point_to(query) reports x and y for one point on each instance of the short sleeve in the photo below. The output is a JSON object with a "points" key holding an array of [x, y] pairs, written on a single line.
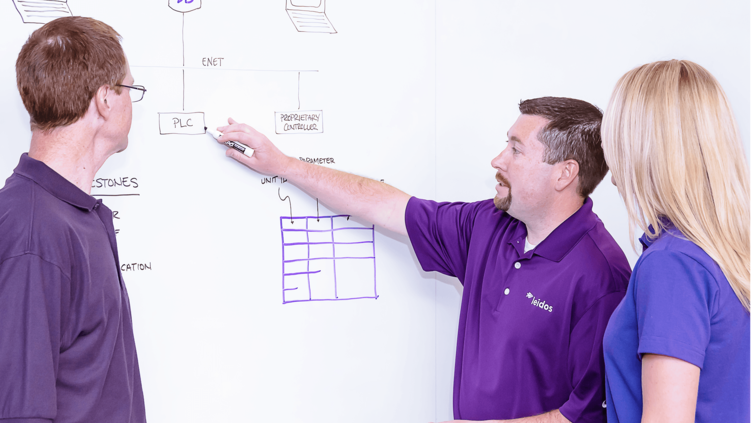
{"points": [[585, 362], [673, 297], [30, 334], [440, 234]]}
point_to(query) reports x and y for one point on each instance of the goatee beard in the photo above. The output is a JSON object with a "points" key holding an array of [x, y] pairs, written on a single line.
{"points": [[503, 203]]}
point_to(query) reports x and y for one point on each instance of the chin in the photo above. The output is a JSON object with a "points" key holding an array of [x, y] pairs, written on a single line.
{"points": [[123, 147], [503, 204]]}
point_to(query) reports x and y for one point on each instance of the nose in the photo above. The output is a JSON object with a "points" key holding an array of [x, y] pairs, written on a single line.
{"points": [[500, 162]]}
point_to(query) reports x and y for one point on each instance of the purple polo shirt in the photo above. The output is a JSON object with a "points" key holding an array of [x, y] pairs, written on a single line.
{"points": [[679, 304], [531, 324], [67, 352]]}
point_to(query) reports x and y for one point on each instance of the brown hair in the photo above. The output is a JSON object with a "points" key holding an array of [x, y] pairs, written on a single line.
{"points": [[572, 133], [63, 64]]}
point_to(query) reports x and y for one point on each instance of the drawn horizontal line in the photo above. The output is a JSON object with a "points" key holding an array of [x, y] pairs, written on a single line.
{"points": [[115, 195], [325, 230], [328, 258], [314, 217], [375, 297], [290, 289], [301, 273], [328, 242], [42, 1], [224, 69], [44, 6]]}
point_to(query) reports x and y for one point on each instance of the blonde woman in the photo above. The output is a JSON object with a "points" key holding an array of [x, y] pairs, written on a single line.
{"points": [[677, 347]]}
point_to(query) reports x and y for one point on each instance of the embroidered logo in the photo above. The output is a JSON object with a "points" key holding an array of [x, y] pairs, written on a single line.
{"points": [[540, 304]]}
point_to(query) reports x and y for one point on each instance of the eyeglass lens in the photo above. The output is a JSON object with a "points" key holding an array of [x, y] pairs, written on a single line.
{"points": [[136, 94]]}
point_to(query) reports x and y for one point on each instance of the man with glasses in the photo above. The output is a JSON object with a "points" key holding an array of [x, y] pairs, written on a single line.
{"points": [[67, 351]]}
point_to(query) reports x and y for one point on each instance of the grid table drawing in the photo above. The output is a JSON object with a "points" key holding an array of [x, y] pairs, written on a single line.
{"points": [[327, 258]]}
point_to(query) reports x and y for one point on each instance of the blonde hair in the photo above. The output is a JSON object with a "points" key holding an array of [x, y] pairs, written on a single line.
{"points": [[674, 150]]}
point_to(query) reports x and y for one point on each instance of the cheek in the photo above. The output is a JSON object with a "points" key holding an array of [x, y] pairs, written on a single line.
{"points": [[534, 181]]}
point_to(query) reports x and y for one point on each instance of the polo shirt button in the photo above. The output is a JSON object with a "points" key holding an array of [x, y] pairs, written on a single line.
{"points": [[506, 291], [517, 265]]}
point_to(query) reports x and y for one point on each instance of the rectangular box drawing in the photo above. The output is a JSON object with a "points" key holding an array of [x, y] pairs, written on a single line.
{"points": [[309, 16], [182, 123], [42, 11], [299, 122], [327, 258]]}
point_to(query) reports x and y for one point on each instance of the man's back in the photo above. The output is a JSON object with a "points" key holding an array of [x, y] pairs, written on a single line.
{"points": [[67, 351]]}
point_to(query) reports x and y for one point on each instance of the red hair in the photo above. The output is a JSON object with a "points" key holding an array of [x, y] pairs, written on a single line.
{"points": [[63, 64]]}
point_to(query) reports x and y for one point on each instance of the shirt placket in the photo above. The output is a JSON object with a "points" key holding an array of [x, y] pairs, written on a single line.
{"points": [[514, 283]]}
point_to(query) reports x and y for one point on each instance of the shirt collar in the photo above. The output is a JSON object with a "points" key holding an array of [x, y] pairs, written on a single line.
{"points": [[561, 241], [667, 226], [54, 183]]}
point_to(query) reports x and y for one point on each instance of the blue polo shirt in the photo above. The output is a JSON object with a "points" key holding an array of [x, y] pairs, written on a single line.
{"points": [[531, 324], [679, 304], [67, 352]]}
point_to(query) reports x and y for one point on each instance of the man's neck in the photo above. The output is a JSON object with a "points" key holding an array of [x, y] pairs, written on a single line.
{"points": [[540, 228], [70, 151]]}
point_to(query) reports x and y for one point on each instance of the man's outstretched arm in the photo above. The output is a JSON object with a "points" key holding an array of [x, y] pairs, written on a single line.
{"points": [[373, 201]]}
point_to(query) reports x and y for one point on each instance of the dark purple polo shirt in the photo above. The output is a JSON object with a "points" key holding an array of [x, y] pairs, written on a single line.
{"points": [[67, 352], [531, 324]]}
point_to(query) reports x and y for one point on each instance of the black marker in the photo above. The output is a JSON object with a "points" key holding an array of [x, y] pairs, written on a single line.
{"points": [[248, 151]]}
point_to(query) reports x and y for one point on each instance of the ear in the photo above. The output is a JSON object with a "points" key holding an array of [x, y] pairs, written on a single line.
{"points": [[103, 101], [568, 171]]}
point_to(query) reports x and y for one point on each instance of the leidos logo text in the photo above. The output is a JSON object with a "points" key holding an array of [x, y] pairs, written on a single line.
{"points": [[540, 304]]}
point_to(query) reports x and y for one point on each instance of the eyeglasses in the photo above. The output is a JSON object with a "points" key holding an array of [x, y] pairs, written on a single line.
{"points": [[136, 91]]}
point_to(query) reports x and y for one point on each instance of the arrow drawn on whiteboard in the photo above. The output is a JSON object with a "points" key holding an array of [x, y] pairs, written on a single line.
{"points": [[287, 197]]}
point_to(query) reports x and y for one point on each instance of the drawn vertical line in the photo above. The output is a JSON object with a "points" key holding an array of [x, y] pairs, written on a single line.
{"points": [[308, 262], [317, 210], [298, 90], [183, 89], [183, 38], [282, 233], [287, 197], [334, 256], [373, 245]]}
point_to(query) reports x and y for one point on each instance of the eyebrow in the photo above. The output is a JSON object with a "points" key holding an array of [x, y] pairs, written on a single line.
{"points": [[515, 139]]}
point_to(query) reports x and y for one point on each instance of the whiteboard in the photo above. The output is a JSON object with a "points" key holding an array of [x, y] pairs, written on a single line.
{"points": [[229, 324]]}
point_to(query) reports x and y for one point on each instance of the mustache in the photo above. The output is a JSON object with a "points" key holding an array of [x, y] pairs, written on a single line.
{"points": [[502, 179]]}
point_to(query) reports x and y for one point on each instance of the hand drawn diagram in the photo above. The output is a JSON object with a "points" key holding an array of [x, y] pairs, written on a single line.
{"points": [[182, 123], [194, 123], [42, 11], [309, 16], [327, 258]]}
